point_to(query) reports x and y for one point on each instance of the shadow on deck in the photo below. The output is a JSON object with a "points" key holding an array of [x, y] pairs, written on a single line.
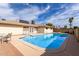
{"points": [[71, 49]]}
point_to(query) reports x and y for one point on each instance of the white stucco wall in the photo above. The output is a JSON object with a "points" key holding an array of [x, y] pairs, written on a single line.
{"points": [[48, 30], [15, 30], [11, 29]]}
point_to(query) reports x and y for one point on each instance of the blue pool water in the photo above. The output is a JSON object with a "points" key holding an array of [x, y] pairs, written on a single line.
{"points": [[54, 40]]}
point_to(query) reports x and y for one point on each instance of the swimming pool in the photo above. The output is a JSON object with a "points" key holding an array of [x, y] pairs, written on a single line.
{"points": [[54, 40]]}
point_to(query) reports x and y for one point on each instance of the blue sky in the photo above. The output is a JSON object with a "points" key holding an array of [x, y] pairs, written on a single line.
{"points": [[42, 13]]}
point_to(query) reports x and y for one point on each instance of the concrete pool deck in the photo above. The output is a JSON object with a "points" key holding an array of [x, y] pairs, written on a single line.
{"points": [[7, 49], [17, 48], [72, 48], [25, 49]]}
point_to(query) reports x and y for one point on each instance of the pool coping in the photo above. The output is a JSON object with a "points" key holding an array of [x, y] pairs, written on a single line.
{"points": [[31, 45]]}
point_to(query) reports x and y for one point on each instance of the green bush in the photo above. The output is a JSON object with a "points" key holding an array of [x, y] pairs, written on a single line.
{"points": [[77, 39]]}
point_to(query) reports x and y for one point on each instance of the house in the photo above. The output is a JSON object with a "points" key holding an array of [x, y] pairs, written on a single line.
{"points": [[22, 28]]}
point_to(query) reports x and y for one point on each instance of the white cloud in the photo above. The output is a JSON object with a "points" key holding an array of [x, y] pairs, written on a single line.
{"points": [[75, 7], [62, 18], [7, 12], [4, 5], [32, 12], [46, 9]]}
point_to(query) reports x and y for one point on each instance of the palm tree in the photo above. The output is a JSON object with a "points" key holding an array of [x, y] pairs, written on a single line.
{"points": [[70, 21]]}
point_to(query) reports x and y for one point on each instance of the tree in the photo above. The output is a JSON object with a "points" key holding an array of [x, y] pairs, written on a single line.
{"points": [[23, 21], [32, 22], [75, 27], [3, 19], [70, 21], [65, 27], [50, 25]]}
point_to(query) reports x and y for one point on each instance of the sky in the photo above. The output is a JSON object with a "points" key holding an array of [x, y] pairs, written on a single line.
{"points": [[55, 13]]}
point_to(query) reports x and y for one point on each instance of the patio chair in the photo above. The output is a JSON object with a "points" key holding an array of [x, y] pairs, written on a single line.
{"points": [[1, 39], [7, 37]]}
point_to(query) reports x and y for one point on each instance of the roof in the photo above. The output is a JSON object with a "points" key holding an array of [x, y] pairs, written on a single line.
{"points": [[20, 24]]}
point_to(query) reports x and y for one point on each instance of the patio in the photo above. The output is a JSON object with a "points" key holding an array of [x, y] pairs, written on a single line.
{"points": [[8, 50]]}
